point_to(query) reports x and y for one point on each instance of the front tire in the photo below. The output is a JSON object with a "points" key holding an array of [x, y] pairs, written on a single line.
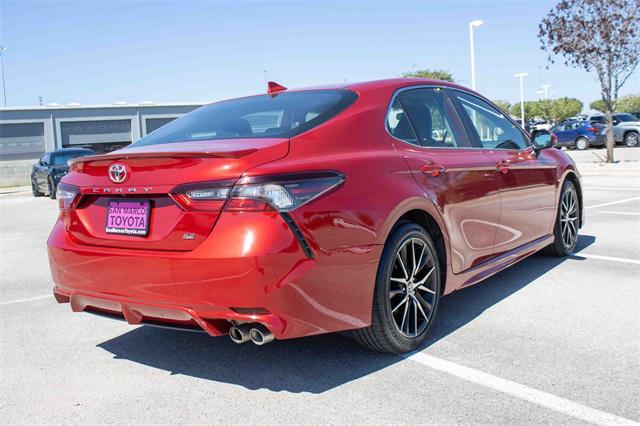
{"points": [[52, 188], [631, 139], [406, 294], [582, 144], [567, 223]]}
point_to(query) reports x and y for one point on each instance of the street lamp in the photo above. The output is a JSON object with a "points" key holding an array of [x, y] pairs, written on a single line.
{"points": [[472, 25], [545, 88], [521, 76], [4, 89]]}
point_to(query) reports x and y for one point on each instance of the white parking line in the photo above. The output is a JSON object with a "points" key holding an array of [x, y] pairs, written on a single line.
{"points": [[609, 258], [606, 188], [626, 200], [523, 392], [29, 299], [620, 213]]}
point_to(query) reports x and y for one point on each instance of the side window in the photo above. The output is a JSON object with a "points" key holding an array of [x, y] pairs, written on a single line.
{"points": [[560, 128], [429, 116], [46, 159], [399, 125], [493, 128]]}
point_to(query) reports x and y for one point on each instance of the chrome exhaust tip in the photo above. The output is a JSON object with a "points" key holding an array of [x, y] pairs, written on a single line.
{"points": [[239, 334], [261, 335]]}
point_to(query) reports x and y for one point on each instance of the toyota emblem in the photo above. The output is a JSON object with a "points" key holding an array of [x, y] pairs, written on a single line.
{"points": [[118, 173]]}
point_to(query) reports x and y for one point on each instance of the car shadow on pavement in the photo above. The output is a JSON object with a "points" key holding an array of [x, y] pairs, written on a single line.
{"points": [[314, 364]]}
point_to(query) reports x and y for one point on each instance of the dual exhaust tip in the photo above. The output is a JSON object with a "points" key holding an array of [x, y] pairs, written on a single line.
{"points": [[257, 333]]}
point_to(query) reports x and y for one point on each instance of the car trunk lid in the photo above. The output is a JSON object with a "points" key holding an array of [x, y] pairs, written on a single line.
{"points": [[152, 172]]}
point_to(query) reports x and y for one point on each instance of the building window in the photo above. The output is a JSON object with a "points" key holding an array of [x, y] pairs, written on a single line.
{"points": [[155, 123], [21, 141]]}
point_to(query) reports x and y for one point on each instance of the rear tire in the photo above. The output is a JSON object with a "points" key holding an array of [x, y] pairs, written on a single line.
{"points": [[582, 144], [567, 223], [35, 190], [406, 293]]}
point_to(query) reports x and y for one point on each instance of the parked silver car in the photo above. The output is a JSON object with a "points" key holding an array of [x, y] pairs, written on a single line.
{"points": [[626, 128]]}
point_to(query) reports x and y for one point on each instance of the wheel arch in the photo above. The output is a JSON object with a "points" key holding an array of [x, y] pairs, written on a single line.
{"points": [[573, 178], [424, 214]]}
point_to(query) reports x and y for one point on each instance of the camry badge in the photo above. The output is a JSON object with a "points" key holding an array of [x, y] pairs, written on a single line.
{"points": [[117, 172]]}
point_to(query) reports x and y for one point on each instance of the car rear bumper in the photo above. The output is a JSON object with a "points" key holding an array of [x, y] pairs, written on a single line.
{"points": [[251, 269]]}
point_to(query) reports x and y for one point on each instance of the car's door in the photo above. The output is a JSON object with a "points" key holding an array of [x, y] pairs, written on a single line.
{"points": [[527, 181], [457, 176], [561, 133], [41, 171]]}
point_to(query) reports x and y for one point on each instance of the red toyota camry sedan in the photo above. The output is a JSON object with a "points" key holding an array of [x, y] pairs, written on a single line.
{"points": [[300, 212]]}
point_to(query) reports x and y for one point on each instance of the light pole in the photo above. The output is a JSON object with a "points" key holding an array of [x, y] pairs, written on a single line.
{"points": [[521, 76], [4, 89], [472, 25], [545, 88]]}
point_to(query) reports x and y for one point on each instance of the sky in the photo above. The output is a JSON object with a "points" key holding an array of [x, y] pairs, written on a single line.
{"points": [[95, 52]]}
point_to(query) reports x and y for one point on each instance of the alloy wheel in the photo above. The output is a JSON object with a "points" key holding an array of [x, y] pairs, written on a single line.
{"points": [[412, 288], [569, 218], [632, 139]]}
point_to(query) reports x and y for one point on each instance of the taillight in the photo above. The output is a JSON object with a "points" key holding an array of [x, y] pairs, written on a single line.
{"points": [[204, 196], [66, 195], [593, 130], [279, 192], [282, 192]]}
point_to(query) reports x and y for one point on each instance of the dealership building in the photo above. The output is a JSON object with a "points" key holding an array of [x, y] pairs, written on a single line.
{"points": [[27, 132]]}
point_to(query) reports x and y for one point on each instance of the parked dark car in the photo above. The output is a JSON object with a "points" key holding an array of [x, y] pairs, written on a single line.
{"points": [[579, 134], [51, 167]]}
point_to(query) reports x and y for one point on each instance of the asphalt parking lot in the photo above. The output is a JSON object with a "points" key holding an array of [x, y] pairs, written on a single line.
{"points": [[547, 341]]}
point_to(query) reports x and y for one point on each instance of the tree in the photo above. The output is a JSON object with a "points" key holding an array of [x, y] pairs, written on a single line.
{"points": [[600, 36], [563, 108], [630, 103], [432, 74], [598, 105], [502, 104]]}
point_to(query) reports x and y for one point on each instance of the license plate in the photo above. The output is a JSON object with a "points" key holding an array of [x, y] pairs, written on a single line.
{"points": [[128, 217]]}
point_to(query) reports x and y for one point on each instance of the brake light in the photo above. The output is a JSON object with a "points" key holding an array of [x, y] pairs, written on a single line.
{"points": [[281, 192], [593, 129], [66, 195]]}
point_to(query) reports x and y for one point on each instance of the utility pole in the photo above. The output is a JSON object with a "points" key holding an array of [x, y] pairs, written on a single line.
{"points": [[4, 88]]}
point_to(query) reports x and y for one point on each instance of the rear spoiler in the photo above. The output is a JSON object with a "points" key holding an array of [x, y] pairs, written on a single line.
{"points": [[117, 155]]}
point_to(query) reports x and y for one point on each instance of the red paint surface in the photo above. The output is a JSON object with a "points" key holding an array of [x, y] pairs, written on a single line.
{"points": [[489, 219]]}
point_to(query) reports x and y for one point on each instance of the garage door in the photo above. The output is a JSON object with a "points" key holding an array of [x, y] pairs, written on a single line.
{"points": [[21, 141], [155, 123], [76, 133]]}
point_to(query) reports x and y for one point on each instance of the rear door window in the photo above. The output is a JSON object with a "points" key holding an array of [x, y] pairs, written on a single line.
{"points": [[426, 117], [282, 115]]}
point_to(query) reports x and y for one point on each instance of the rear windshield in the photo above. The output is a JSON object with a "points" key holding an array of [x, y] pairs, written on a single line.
{"points": [[265, 116]]}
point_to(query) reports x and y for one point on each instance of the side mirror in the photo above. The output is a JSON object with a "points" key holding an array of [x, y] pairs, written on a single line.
{"points": [[543, 139]]}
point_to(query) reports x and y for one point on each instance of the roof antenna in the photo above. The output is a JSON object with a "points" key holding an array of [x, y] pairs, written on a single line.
{"points": [[273, 87]]}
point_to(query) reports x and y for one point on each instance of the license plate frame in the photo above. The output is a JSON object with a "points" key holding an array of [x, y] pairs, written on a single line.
{"points": [[134, 230]]}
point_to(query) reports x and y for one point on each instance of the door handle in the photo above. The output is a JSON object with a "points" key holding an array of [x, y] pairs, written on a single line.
{"points": [[434, 170], [503, 167]]}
